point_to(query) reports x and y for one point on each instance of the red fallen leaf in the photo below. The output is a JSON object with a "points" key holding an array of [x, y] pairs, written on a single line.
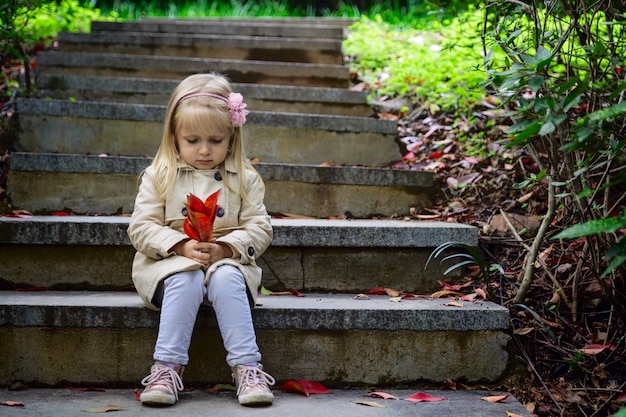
{"points": [[414, 297], [377, 291], [60, 213], [86, 389], [31, 289], [200, 217], [621, 398], [435, 155], [495, 398], [594, 349], [422, 397], [383, 395], [455, 287], [137, 394], [305, 386], [12, 404], [296, 293]]}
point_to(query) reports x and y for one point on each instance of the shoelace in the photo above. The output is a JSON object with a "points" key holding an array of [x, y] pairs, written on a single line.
{"points": [[254, 376], [164, 376]]}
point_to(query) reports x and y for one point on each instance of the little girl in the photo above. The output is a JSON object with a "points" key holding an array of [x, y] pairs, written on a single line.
{"points": [[201, 152]]}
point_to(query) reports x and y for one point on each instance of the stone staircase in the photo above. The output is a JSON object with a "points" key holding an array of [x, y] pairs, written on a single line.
{"points": [[323, 157]]}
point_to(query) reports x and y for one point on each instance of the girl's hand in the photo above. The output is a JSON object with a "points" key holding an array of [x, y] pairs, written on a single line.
{"points": [[205, 253]]}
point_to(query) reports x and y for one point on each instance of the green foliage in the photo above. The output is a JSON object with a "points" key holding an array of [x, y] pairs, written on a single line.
{"points": [[46, 21], [467, 256], [436, 66], [559, 68]]}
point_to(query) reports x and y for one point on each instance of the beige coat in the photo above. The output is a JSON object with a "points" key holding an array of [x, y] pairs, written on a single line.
{"points": [[157, 225]]}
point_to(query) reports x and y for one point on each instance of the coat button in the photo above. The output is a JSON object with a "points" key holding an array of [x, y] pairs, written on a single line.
{"points": [[251, 251], [217, 176], [220, 212], [184, 211]]}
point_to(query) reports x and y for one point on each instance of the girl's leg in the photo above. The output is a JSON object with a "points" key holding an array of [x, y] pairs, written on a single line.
{"points": [[183, 294], [180, 298], [227, 293]]}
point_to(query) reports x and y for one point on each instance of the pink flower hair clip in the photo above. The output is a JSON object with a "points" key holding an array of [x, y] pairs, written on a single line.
{"points": [[236, 106]]}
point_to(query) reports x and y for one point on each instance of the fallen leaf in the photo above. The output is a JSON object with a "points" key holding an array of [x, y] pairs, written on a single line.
{"points": [[104, 409], [383, 395], [361, 297], [445, 293], [296, 293], [481, 293], [137, 394], [509, 414], [422, 397], [370, 404], [305, 386], [453, 304], [523, 330], [12, 404], [594, 349], [495, 398], [621, 398], [221, 387]]}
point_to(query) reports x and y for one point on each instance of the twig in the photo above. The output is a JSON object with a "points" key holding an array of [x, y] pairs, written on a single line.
{"points": [[532, 257], [608, 400], [532, 366]]}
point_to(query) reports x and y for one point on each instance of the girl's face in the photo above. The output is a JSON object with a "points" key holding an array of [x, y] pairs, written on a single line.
{"points": [[202, 149]]}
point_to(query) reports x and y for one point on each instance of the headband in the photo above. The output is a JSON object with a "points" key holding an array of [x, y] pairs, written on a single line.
{"points": [[236, 106]]}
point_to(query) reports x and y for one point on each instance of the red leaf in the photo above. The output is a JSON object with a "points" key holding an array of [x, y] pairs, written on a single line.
{"points": [[137, 394], [594, 349], [377, 291], [383, 395], [200, 217], [305, 386], [296, 293], [421, 397], [31, 289], [435, 155], [60, 213]]}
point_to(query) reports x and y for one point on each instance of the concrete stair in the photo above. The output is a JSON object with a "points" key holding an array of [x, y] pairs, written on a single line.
{"points": [[322, 156]]}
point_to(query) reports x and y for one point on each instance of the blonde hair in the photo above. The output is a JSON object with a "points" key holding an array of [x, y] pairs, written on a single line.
{"points": [[201, 112]]}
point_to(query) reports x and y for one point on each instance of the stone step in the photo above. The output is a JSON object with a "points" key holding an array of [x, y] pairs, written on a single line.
{"points": [[282, 27], [341, 402], [272, 98], [87, 184], [232, 47], [83, 252], [62, 338], [168, 67], [136, 130]]}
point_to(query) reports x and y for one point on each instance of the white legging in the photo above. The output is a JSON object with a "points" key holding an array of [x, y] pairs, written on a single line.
{"points": [[182, 295]]}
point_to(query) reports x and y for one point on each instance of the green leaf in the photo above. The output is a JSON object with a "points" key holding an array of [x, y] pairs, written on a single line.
{"points": [[612, 111], [547, 128], [535, 82], [607, 225], [618, 255]]}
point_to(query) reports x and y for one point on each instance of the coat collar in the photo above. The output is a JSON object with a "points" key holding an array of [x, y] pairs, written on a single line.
{"points": [[229, 165]]}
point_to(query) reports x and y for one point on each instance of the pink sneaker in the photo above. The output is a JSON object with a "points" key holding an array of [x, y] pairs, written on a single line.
{"points": [[253, 385], [162, 385]]}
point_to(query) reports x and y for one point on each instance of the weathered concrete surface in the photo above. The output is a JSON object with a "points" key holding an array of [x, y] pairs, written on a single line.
{"points": [[198, 403], [86, 184], [108, 194], [258, 97], [340, 256], [292, 28], [146, 66], [136, 130], [352, 341], [237, 47]]}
